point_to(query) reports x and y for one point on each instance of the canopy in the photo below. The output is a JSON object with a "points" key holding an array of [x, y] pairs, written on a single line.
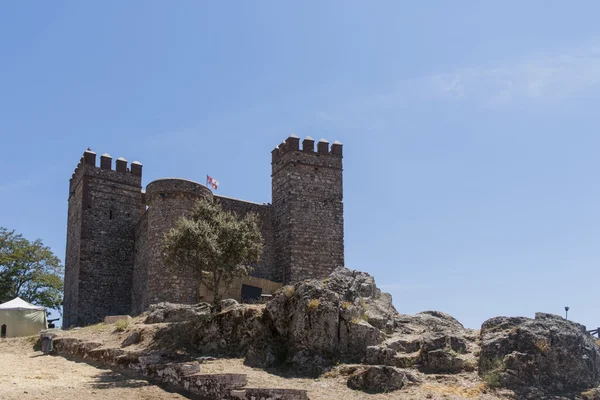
{"points": [[19, 318], [19, 304]]}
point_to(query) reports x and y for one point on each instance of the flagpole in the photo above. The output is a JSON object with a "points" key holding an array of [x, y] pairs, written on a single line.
{"points": [[206, 180]]}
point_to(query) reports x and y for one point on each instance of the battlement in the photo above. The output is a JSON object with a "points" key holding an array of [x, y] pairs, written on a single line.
{"points": [[87, 163], [292, 143], [89, 159]]}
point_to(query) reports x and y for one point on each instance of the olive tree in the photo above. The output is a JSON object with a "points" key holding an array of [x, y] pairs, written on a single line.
{"points": [[216, 245]]}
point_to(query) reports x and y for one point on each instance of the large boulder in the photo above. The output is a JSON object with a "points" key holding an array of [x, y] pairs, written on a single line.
{"points": [[229, 332], [548, 353], [316, 323], [432, 341], [378, 379]]}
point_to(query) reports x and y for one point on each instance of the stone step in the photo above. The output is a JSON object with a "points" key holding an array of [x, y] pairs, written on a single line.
{"points": [[268, 394], [214, 386]]}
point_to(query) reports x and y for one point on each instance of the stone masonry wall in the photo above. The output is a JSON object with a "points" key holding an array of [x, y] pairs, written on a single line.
{"points": [[139, 301], [308, 209], [168, 200], [266, 267], [71, 296], [111, 204]]}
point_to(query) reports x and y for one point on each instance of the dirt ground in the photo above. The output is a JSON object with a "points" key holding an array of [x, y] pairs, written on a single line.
{"points": [[29, 374]]}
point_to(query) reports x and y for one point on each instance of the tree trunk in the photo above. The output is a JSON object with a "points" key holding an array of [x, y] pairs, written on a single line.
{"points": [[217, 300]]}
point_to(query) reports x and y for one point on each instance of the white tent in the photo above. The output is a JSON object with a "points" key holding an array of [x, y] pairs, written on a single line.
{"points": [[19, 318]]}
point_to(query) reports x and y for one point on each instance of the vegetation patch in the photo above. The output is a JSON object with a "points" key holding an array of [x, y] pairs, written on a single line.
{"points": [[494, 368], [289, 291], [466, 393], [542, 345], [121, 325], [313, 304]]}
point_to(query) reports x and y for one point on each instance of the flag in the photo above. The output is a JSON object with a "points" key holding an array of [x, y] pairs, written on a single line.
{"points": [[212, 182]]}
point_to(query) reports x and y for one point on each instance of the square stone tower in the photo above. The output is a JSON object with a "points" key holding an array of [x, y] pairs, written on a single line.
{"points": [[104, 207], [308, 208]]}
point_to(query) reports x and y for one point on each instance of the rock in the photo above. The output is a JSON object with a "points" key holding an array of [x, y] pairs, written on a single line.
{"points": [[355, 337], [432, 341], [378, 379], [317, 323], [442, 361], [359, 289], [225, 303], [171, 312], [205, 359], [547, 353], [133, 338]]}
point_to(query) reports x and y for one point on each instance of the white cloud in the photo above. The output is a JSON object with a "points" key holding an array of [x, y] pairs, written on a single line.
{"points": [[536, 78]]}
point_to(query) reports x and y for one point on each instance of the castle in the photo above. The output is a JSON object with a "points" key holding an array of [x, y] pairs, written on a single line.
{"points": [[115, 229]]}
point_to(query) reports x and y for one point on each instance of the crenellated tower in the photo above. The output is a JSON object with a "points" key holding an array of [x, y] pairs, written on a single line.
{"points": [[308, 208], [104, 207]]}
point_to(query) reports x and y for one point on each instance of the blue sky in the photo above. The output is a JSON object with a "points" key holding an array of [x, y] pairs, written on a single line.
{"points": [[470, 129]]}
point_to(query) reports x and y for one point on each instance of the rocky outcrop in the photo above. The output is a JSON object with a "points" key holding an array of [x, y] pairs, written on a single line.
{"points": [[547, 354], [318, 323], [315, 324], [431, 341], [171, 312]]}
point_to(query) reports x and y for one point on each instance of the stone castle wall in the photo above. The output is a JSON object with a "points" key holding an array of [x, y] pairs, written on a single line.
{"points": [[266, 267], [168, 200], [139, 293]]}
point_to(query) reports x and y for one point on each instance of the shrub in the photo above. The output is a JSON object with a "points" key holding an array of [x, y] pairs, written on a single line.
{"points": [[492, 377], [121, 325]]}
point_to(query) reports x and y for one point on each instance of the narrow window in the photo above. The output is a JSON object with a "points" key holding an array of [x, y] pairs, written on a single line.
{"points": [[110, 214]]}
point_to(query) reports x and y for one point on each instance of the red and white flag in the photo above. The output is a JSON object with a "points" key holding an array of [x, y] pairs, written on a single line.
{"points": [[212, 182]]}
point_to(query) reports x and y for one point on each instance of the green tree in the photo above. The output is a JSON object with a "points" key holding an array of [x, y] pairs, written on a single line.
{"points": [[216, 245], [29, 270]]}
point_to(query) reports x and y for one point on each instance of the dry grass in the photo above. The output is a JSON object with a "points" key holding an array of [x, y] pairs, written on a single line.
{"points": [[288, 291], [542, 345], [589, 395], [346, 305], [363, 304], [121, 325], [313, 304], [99, 327], [464, 392]]}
